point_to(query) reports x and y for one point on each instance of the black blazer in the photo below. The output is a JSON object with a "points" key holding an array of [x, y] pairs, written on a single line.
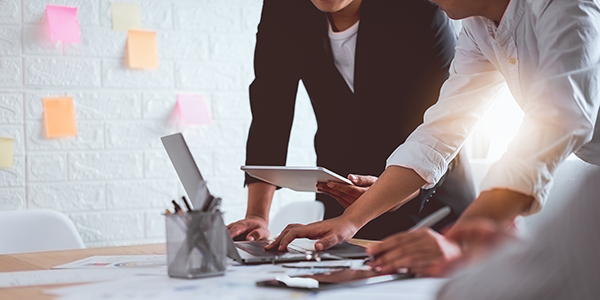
{"points": [[403, 52]]}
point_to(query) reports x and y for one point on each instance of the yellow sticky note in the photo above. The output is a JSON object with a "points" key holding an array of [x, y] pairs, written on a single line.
{"points": [[59, 117], [141, 49], [6, 152], [125, 15]]}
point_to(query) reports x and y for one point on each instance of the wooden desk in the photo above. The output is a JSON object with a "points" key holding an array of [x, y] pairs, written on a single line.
{"points": [[47, 260]]}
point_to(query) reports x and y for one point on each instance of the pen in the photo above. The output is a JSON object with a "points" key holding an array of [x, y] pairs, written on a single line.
{"points": [[432, 218], [177, 207], [187, 204]]}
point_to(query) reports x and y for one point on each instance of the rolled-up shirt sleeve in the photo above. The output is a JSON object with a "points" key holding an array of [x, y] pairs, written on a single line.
{"points": [[464, 98], [557, 87], [561, 107]]}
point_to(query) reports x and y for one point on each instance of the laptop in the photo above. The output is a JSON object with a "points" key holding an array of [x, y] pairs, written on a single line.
{"points": [[246, 252]]}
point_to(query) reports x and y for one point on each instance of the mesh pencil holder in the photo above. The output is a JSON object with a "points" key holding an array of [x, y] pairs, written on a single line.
{"points": [[196, 244]]}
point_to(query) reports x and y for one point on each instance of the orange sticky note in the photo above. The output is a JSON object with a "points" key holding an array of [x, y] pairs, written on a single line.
{"points": [[142, 52], [6, 152], [59, 117]]}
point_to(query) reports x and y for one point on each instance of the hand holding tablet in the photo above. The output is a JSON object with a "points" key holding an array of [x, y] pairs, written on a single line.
{"points": [[301, 179]]}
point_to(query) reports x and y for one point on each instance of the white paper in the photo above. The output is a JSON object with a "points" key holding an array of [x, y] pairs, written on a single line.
{"points": [[118, 262], [46, 277], [239, 282]]}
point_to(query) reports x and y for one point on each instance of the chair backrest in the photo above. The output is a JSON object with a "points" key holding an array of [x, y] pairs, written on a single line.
{"points": [[303, 212], [37, 230]]}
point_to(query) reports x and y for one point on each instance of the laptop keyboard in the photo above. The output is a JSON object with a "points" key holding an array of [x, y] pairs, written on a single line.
{"points": [[257, 248]]}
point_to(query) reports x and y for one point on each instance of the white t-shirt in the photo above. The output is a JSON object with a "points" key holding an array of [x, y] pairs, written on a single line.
{"points": [[343, 47]]}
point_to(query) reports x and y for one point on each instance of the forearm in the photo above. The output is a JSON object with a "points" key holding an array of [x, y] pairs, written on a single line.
{"points": [[260, 196], [498, 205], [394, 188]]}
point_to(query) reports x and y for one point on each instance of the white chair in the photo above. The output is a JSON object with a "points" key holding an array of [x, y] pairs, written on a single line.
{"points": [[296, 212], [37, 230]]}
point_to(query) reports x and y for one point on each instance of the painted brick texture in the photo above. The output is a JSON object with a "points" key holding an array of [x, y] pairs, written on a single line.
{"points": [[114, 179]]}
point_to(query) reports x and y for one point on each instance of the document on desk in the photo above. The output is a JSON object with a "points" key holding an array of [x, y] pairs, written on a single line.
{"points": [[238, 283], [118, 262], [49, 277]]}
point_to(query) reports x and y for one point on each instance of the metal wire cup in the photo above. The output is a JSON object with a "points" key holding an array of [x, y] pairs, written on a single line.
{"points": [[196, 244]]}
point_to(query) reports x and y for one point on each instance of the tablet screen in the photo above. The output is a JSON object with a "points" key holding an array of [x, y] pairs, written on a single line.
{"points": [[336, 279]]}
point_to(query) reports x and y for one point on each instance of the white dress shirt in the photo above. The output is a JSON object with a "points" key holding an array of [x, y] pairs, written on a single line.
{"points": [[548, 53]]}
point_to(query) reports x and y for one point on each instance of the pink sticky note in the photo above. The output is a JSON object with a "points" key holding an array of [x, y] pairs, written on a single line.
{"points": [[63, 24], [193, 110]]}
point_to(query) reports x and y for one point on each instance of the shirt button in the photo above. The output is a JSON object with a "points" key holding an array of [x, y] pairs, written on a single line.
{"points": [[512, 60]]}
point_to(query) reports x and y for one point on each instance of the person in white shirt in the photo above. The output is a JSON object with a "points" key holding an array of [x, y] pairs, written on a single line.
{"points": [[548, 53]]}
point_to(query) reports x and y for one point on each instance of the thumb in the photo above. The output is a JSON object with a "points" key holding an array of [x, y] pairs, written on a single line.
{"points": [[254, 235], [326, 243]]}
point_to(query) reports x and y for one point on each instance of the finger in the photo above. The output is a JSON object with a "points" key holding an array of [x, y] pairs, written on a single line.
{"points": [[327, 242], [287, 238], [237, 229], [393, 242], [276, 241], [400, 253], [257, 234], [344, 190], [343, 201], [362, 180], [412, 262]]}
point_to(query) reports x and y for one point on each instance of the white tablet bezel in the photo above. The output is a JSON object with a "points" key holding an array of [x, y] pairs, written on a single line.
{"points": [[301, 179]]}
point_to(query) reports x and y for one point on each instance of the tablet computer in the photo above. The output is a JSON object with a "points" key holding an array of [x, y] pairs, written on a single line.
{"points": [[336, 279], [301, 179]]}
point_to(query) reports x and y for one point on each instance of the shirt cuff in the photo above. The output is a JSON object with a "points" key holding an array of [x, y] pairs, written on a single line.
{"points": [[422, 159], [522, 177]]}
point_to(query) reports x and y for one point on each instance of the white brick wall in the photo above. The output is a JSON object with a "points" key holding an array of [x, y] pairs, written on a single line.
{"points": [[114, 179]]}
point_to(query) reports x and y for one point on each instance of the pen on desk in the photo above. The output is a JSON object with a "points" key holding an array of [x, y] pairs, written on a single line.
{"points": [[187, 204]]}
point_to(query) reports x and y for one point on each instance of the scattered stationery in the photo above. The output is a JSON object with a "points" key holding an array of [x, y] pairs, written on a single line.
{"points": [[125, 16], [6, 152], [193, 110], [59, 117], [142, 52], [63, 23]]}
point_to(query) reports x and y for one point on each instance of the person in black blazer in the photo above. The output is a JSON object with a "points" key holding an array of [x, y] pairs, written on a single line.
{"points": [[403, 50]]}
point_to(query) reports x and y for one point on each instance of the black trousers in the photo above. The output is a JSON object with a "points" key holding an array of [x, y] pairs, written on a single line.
{"points": [[455, 189]]}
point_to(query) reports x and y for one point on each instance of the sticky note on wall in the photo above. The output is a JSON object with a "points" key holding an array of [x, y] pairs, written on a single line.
{"points": [[63, 23], [142, 52], [59, 117], [125, 15], [6, 152], [193, 110]]}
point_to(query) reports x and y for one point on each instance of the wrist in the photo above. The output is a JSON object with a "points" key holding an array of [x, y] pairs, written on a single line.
{"points": [[259, 217], [356, 219]]}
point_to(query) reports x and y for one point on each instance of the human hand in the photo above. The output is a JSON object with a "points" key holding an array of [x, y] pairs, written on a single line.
{"points": [[255, 228], [477, 238], [329, 232], [346, 194], [423, 251]]}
